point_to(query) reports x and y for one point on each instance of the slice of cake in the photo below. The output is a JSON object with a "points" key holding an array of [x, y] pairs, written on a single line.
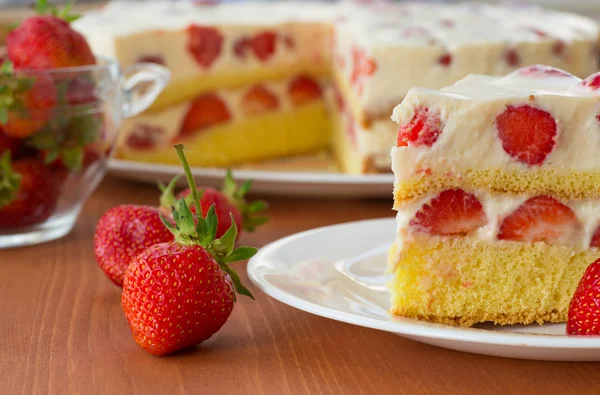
{"points": [[368, 56], [497, 192]]}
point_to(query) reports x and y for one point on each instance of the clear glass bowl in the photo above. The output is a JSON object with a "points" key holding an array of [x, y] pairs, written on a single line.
{"points": [[59, 134]]}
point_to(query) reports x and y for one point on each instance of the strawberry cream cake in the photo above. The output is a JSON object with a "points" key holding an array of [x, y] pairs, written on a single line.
{"points": [[255, 81], [497, 198]]}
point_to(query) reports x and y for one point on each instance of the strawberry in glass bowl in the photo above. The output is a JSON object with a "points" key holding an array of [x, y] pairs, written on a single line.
{"points": [[60, 112]]}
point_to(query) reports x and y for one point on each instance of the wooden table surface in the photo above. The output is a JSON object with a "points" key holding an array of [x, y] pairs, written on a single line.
{"points": [[62, 331]]}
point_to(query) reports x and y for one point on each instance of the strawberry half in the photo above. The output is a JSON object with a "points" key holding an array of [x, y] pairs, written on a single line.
{"points": [[541, 218], [528, 134], [452, 212], [229, 203], [303, 90], [595, 242], [122, 233], [263, 45], [205, 44], [259, 100], [205, 111], [178, 294], [592, 82], [423, 129], [584, 309]]}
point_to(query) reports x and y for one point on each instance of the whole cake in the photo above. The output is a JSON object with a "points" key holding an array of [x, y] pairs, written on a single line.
{"points": [[255, 81], [497, 197]]}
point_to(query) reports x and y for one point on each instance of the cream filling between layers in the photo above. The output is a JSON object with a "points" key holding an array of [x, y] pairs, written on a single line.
{"points": [[498, 207]]}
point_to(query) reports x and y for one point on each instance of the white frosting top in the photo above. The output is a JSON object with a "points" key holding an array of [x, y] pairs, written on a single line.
{"points": [[469, 139]]}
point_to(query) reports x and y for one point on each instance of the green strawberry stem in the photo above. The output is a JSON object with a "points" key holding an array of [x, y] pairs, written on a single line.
{"points": [[10, 89], [9, 180], [190, 229], [248, 210]]}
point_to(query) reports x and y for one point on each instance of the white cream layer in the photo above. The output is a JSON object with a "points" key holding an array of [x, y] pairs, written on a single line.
{"points": [[498, 207], [469, 138]]}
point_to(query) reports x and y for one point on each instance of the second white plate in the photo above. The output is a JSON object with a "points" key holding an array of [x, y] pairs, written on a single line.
{"points": [[337, 272], [269, 182]]}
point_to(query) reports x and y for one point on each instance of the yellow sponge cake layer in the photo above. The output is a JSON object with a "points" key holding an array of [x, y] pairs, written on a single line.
{"points": [[272, 135], [182, 91], [565, 185], [464, 281]]}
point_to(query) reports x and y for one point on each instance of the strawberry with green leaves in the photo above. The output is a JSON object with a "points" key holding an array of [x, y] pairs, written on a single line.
{"points": [[178, 294], [229, 203]]}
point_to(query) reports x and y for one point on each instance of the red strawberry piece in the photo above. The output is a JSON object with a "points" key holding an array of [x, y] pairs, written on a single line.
{"points": [[452, 212], [156, 59], [512, 58], [205, 111], [178, 294], [28, 192], [423, 129], [558, 49], [36, 105], [122, 233], [289, 41], [241, 46], [259, 100], [81, 90], [362, 65], [584, 310], [592, 82], [42, 42], [144, 136], [303, 89], [528, 134], [540, 218], [596, 239], [445, 60], [204, 43], [263, 45], [542, 71]]}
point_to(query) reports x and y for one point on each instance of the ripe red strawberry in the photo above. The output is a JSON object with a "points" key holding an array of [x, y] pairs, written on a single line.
{"points": [[539, 70], [452, 212], [423, 129], [205, 44], [43, 42], [228, 203], [540, 218], [122, 233], [143, 136], [28, 192], [178, 294], [528, 134], [592, 82], [259, 100], [303, 90], [32, 102], [584, 309], [263, 45], [205, 111], [595, 242]]}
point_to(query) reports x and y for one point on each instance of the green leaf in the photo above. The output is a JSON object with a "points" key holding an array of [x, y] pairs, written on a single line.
{"points": [[229, 185], [252, 223], [7, 67], [3, 115], [256, 206], [202, 230], [9, 180], [167, 197], [240, 254], [237, 283], [72, 158], [166, 222], [185, 220], [227, 241], [212, 221], [244, 189], [51, 156]]}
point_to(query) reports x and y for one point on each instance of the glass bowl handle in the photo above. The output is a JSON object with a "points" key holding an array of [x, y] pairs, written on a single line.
{"points": [[146, 82]]}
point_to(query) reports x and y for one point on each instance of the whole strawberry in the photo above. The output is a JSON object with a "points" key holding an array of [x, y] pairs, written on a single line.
{"points": [[229, 203], [584, 310], [48, 41], [122, 233], [28, 192], [180, 293]]}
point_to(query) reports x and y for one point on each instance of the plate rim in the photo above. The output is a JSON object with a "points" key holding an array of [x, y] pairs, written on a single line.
{"points": [[257, 175], [409, 326]]}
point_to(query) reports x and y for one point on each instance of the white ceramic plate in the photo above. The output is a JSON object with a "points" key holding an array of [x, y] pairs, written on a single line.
{"points": [[315, 183], [337, 272]]}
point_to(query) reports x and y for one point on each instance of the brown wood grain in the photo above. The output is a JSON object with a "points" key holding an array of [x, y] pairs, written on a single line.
{"points": [[62, 331]]}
